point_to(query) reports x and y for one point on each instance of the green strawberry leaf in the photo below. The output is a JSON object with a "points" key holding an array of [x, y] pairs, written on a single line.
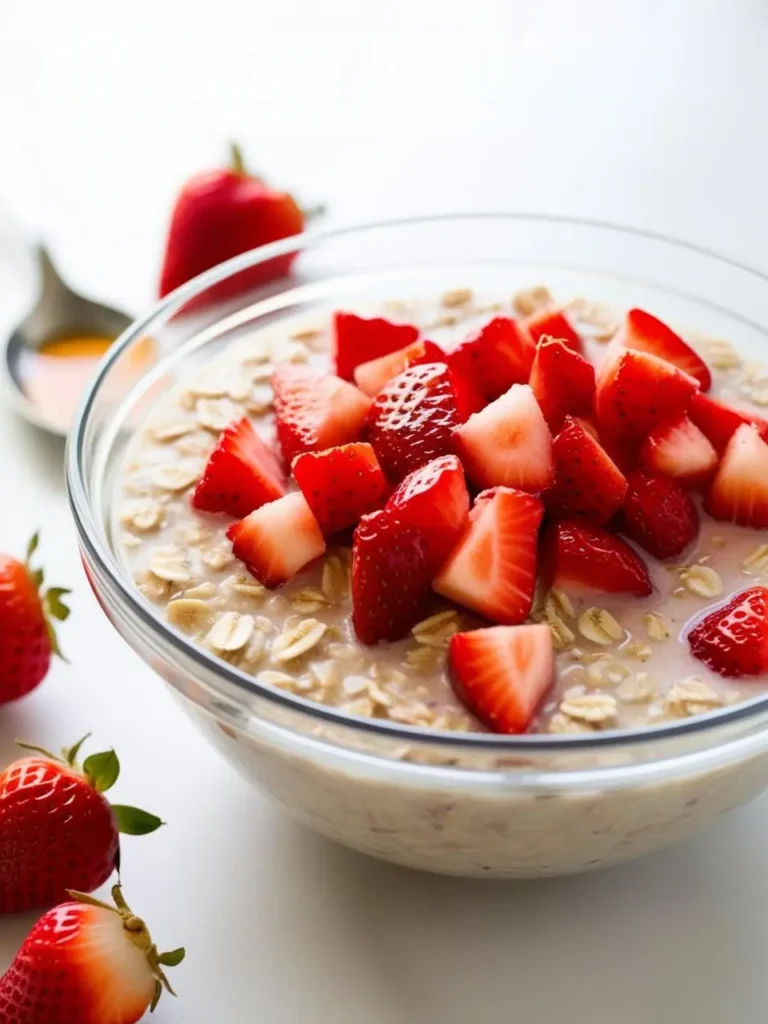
{"points": [[70, 753], [32, 546], [54, 605], [172, 958], [102, 770], [37, 577], [156, 997], [133, 822]]}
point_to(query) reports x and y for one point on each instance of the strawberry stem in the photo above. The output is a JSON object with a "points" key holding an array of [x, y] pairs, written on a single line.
{"points": [[236, 161]]}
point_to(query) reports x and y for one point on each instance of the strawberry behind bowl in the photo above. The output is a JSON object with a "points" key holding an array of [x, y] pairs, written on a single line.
{"points": [[223, 213]]}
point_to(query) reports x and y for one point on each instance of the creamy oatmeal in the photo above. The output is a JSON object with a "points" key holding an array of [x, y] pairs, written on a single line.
{"points": [[620, 660]]}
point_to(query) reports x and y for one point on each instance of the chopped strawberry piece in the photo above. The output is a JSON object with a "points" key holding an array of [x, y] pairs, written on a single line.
{"points": [[492, 570], [371, 377], [508, 443], [588, 486], [314, 411], [637, 391], [658, 514], [341, 484], [498, 356], [739, 492], [356, 340], [502, 673], [575, 554], [277, 540], [552, 323], [412, 418], [734, 639], [680, 450], [241, 473], [390, 577], [645, 333], [435, 501], [563, 382], [719, 422]]}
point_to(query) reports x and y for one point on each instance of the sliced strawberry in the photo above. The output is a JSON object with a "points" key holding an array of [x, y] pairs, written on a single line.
{"points": [[371, 377], [341, 484], [734, 640], [390, 577], [502, 673], [637, 391], [739, 492], [498, 356], [553, 323], [241, 473], [588, 486], [719, 422], [412, 418], [435, 501], [492, 570], [314, 411], [277, 540], [574, 554], [644, 333], [356, 340], [562, 381], [508, 443], [680, 450], [658, 514]]}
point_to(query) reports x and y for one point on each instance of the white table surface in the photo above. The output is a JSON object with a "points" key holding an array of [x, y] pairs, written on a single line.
{"points": [[654, 114]]}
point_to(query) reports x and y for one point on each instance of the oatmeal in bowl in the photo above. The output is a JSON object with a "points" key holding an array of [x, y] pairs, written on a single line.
{"points": [[470, 579]]}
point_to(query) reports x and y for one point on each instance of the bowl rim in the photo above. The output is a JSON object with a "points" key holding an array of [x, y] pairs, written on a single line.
{"points": [[88, 529]]}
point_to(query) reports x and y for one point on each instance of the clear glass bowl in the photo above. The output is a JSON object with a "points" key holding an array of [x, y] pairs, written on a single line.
{"points": [[464, 804]]}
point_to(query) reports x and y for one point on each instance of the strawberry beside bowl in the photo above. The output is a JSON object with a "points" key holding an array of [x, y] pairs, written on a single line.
{"points": [[456, 803]]}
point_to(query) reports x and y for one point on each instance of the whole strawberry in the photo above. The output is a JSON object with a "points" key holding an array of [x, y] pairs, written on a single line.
{"points": [[57, 830], [27, 638], [86, 962], [223, 213]]}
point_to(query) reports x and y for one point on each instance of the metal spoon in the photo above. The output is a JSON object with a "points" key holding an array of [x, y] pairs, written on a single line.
{"points": [[59, 312]]}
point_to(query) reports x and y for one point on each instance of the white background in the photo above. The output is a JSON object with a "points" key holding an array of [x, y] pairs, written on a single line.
{"points": [[652, 113]]}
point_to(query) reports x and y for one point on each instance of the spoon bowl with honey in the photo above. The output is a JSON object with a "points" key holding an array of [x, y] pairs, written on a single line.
{"points": [[52, 354]]}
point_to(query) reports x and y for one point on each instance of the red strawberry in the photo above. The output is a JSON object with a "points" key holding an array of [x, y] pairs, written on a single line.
{"points": [[86, 962], [356, 340], [680, 450], [434, 501], [552, 323], [27, 638], [718, 421], [495, 358], [390, 577], [341, 484], [562, 381], [57, 830], [734, 639], [411, 419], [221, 214], [739, 492], [278, 539], [371, 377], [314, 411], [658, 514], [644, 333], [502, 673], [241, 473], [508, 443], [588, 486], [492, 570], [585, 556], [636, 391]]}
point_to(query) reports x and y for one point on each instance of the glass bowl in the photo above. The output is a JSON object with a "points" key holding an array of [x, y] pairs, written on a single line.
{"points": [[462, 804]]}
